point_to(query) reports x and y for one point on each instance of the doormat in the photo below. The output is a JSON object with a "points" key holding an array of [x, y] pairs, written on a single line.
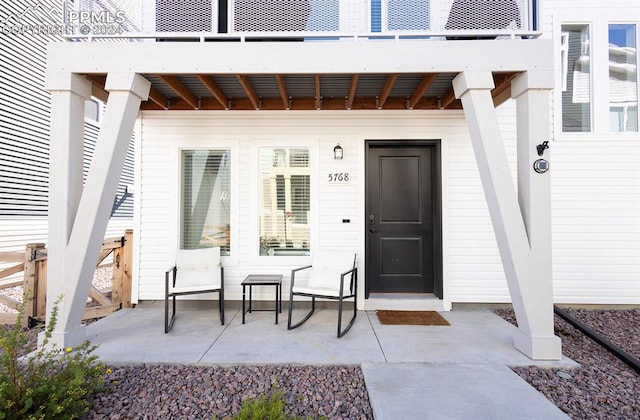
{"points": [[411, 318]]}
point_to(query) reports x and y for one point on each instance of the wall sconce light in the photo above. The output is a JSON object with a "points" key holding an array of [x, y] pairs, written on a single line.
{"points": [[338, 152], [542, 147]]}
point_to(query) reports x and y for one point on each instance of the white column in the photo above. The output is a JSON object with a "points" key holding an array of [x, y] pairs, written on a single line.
{"points": [[126, 91], [531, 90], [68, 95], [474, 90]]}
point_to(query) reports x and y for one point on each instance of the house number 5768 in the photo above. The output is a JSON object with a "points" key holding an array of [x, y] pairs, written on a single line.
{"points": [[338, 177]]}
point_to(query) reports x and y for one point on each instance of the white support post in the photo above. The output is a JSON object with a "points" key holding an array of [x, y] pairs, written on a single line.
{"points": [[68, 95], [531, 91], [126, 91], [474, 90]]}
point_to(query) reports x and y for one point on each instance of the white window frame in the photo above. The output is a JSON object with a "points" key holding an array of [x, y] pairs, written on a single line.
{"points": [[284, 142], [210, 144], [599, 55]]}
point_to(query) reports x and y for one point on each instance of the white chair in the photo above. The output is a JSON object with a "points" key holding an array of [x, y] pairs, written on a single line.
{"points": [[196, 271], [332, 275]]}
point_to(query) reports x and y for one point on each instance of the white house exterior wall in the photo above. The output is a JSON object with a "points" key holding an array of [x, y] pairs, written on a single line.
{"points": [[472, 269], [595, 183], [596, 200]]}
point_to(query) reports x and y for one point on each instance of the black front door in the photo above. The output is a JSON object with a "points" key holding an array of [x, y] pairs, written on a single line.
{"points": [[403, 236]]}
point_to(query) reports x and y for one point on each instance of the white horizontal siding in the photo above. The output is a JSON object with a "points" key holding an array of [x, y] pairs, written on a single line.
{"points": [[164, 133], [17, 232], [596, 214]]}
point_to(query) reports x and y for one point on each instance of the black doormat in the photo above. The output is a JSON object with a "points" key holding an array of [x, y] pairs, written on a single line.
{"points": [[411, 318]]}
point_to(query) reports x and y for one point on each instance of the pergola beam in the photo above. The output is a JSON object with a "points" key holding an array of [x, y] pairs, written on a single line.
{"points": [[215, 90], [180, 89], [420, 90], [318, 96], [352, 91], [282, 88], [386, 90], [249, 90]]}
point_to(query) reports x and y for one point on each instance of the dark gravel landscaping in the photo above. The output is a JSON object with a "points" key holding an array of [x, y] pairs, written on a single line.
{"points": [[602, 387], [194, 392]]}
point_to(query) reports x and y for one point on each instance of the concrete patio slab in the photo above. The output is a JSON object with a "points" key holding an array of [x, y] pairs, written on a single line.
{"points": [[260, 341], [442, 372], [453, 392]]}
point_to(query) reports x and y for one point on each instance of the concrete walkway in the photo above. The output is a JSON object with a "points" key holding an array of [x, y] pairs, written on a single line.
{"points": [[411, 372]]}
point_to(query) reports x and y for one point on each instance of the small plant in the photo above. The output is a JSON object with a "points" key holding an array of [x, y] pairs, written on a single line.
{"points": [[51, 382], [271, 407]]}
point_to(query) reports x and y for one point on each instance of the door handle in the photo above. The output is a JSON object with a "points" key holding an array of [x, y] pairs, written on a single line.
{"points": [[372, 222]]}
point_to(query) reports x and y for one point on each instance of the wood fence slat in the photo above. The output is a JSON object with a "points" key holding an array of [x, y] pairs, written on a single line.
{"points": [[33, 263], [8, 318], [112, 243], [10, 283], [96, 295], [99, 311], [41, 289], [127, 263], [31, 281], [12, 257], [10, 302], [11, 270], [104, 253]]}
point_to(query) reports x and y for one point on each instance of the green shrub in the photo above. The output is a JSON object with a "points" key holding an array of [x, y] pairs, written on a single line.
{"points": [[263, 407], [49, 383]]}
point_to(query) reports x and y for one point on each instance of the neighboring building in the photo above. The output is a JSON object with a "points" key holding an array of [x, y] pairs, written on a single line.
{"points": [[25, 128], [372, 127]]}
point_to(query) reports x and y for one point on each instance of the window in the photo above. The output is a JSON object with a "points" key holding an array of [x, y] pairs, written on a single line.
{"points": [[206, 194], [623, 77], [284, 201], [598, 91], [576, 72]]}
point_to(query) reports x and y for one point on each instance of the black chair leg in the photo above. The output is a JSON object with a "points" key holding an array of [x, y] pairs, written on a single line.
{"points": [[168, 321], [221, 306], [313, 308], [341, 333]]}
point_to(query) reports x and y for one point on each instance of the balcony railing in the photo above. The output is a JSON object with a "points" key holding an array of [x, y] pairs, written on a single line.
{"points": [[299, 19]]}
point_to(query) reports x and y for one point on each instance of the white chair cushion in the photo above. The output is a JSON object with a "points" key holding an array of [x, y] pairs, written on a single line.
{"points": [[198, 258], [319, 291], [333, 259], [326, 269], [192, 280]]}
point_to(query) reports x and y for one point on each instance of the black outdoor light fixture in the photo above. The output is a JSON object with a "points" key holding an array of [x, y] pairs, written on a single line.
{"points": [[337, 152], [541, 165], [542, 147]]}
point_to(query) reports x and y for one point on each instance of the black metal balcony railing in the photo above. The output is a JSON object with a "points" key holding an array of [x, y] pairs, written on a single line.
{"points": [[301, 19]]}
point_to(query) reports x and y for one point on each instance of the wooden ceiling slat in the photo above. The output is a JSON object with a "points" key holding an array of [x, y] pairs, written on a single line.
{"points": [[344, 91], [248, 89], [318, 92], [447, 98], [386, 90], [158, 98], [502, 91], [282, 88], [422, 87], [97, 86], [182, 91], [352, 91], [214, 89]]}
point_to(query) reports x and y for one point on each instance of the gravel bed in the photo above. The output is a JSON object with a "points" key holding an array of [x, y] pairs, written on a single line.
{"points": [[197, 392], [602, 387]]}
